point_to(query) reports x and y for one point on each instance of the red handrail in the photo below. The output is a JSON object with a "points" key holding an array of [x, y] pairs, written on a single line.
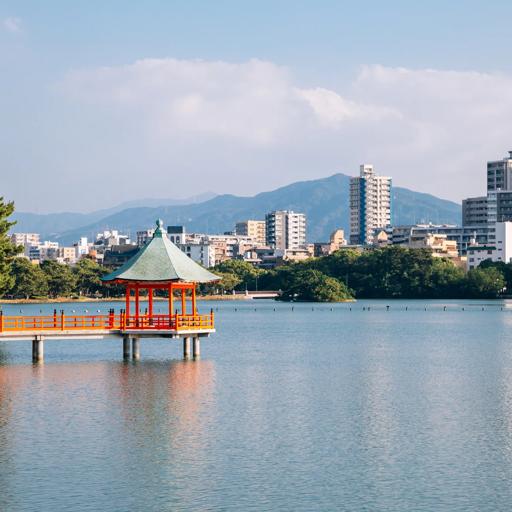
{"points": [[108, 322]]}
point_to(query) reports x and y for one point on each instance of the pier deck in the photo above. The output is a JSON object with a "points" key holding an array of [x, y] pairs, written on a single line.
{"points": [[60, 326]]}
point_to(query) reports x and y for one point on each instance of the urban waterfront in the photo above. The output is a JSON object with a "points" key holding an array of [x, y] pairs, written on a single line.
{"points": [[291, 407]]}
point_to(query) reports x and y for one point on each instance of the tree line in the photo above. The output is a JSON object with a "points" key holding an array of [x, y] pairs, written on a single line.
{"points": [[388, 272]]}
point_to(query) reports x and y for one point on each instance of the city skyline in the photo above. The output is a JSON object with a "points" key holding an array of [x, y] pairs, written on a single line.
{"points": [[110, 104]]}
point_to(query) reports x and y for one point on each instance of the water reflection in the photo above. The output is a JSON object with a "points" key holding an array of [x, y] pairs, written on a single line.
{"points": [[147, 421]]}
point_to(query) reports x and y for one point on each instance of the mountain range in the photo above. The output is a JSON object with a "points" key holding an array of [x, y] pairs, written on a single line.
{"points": [[325, 202]]}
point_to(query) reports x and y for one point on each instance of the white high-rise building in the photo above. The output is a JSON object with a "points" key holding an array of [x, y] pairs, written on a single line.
{"points": [[370, 205], [285, 229]]}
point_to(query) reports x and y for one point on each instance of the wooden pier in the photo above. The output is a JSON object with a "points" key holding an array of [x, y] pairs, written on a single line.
{"points": [[159, 265], [130, 329]]}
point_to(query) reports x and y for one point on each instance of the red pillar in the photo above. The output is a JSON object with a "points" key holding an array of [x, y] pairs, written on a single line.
{"points": [[150, 300], [170, 301], [127, 306], [194, 300], [183, 302], [137, 304]]}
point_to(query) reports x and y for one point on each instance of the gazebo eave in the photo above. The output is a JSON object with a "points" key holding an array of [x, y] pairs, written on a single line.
{"points": [[175, 283]]}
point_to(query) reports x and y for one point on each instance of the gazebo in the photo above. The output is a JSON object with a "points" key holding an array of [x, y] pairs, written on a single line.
{"points": [[161, 265]]}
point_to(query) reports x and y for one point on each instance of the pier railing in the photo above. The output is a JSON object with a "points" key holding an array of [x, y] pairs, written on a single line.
{"points": [[105, 322]]}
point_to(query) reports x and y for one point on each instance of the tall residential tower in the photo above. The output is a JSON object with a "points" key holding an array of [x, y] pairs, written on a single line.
{"points": [[285, 229], [370, 205]]}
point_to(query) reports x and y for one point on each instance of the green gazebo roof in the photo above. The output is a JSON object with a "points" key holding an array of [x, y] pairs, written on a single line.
{"points": [[160, 260]]}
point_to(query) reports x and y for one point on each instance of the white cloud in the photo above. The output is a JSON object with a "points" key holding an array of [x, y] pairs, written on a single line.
{"points": [[255, 101], [12, 24], [246, 127]]}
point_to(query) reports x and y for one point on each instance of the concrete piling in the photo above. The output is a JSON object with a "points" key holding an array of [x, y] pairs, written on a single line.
{"points": [[196, 347], [38, 349], [126, 347], [135, 349], [186, 348]]}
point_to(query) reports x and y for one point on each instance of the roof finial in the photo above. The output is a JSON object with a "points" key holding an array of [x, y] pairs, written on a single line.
{"points": [[159, 228]]}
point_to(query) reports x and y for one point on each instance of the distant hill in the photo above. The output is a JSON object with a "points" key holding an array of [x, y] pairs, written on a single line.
{"points": [[324, 201], [50, 225]]}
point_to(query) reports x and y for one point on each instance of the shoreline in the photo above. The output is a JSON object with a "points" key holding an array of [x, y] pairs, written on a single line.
{"points": [[115, 299]]}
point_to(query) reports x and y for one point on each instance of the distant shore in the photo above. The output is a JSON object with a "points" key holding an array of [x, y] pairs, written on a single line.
{"points": [[113, 299]]}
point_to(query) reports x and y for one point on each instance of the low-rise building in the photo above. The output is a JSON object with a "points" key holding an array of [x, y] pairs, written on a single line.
{"points": [[144, 236], [501, 250], [463, 235], [336, 242], [26, 239], [118, 255]]}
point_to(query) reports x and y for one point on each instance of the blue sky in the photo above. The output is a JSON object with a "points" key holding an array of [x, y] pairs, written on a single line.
{"points": [[108, 101]]}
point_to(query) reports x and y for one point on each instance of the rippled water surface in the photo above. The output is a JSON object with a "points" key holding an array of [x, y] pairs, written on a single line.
{"points": [[314, 407]]}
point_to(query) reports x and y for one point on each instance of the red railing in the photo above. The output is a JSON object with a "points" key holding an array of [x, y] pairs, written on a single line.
{"points": [[108, 322]]}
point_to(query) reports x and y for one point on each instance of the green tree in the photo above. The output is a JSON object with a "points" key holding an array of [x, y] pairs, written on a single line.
{"points": [[29, 280], [504, 268], [60, 278], [484, 283], [88, 274], [8, 250], [445, 280], [314, 286], [246, 273], [227, 283]]}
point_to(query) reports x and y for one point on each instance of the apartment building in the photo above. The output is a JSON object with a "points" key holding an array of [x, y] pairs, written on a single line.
{"points": [[370, 205], [285, 229], [254, 229]]}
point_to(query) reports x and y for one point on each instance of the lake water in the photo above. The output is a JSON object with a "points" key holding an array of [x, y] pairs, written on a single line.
{"points": [[303, 408]]}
